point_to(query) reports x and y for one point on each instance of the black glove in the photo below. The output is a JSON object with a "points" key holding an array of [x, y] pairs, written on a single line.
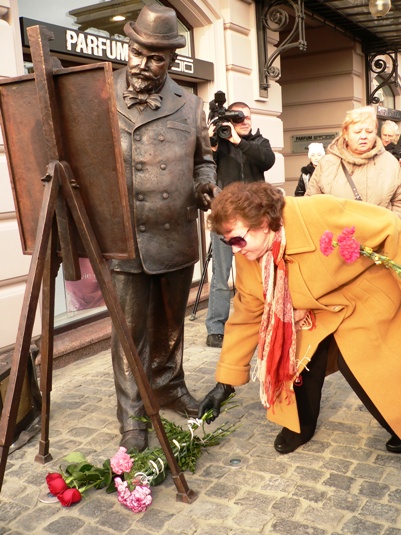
{"points": [[205, 193], [214, 399]]}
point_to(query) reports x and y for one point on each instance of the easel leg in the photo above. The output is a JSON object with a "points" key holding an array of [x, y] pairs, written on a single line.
{"points": [[27, 319], [103, 277], [47, 343]]}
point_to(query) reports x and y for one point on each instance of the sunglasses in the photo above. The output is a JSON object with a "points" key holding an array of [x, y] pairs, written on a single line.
{"points": [[236, 241]]}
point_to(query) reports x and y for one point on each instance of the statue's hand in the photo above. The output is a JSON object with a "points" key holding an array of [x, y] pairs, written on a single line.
{"points": [[205, 193]]}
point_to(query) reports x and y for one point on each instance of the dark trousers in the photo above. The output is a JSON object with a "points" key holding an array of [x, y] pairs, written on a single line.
{"points": [[308, 395], [154, 307]]}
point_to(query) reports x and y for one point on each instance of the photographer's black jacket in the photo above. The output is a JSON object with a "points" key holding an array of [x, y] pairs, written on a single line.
{"points": [[244, 162]]}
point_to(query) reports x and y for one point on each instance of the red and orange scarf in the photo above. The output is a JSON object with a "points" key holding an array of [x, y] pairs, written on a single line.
{"points": [[277, 340]]}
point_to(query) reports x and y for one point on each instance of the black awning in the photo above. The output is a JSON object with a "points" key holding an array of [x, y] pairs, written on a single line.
{"points": [[354, 18]]}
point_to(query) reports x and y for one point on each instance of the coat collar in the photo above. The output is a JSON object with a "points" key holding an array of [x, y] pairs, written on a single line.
{"points": [[173, 99]]}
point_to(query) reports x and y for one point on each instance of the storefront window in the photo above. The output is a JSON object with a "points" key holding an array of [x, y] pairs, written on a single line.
{"points": [[106, 17]]}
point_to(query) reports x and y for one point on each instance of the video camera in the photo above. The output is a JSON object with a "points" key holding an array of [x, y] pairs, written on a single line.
{"points": [[219, 114]]}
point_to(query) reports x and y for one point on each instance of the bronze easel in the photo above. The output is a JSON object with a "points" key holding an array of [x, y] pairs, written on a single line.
{"points": [[45, 125]]}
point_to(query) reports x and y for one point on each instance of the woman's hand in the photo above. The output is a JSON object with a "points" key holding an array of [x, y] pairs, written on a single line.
{"points": [[299, 316]]}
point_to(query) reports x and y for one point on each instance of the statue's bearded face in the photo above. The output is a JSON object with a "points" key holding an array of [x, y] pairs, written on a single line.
{"points": [[147, 69]]}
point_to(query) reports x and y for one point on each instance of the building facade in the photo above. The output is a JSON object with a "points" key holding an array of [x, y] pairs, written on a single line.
{"points": [[298, 84]]}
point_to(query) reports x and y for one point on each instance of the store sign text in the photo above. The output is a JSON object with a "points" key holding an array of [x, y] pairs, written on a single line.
{"points": [[184, 65], [94, 45]]}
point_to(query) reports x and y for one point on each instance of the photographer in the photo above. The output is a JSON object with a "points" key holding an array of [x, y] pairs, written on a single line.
{"points": [[240, 156]]}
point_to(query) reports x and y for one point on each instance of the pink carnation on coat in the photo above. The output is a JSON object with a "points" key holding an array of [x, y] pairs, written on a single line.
{"points": [[326, 243], [349, 247]]}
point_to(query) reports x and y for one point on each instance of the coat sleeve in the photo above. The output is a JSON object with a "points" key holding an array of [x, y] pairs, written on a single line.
{"points": [[241, 331], [313, 187], [204, 165], [396, 198], [259, 153], [300, 189]]}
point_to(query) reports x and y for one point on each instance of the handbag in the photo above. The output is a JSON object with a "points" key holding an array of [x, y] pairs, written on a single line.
{"points": [[351, 183]]}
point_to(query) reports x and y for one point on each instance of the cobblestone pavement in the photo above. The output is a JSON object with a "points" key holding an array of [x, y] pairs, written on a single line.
{"points": [[342, 482]]}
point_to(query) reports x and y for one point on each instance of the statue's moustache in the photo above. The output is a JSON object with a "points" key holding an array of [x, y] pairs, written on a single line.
{"points": [[143, 74]]}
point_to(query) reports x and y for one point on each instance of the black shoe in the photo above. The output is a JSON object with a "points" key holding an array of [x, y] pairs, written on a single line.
{"points": [[288, 441], [185, 405], [136, 439], [214, 340], [394, 444]]}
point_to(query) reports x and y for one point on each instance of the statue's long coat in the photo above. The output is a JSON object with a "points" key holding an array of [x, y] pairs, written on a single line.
{"points": [[167, 155]]}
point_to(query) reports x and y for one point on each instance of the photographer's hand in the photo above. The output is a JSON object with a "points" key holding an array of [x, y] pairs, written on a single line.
{"points": [[213, 136], [234, 138]]}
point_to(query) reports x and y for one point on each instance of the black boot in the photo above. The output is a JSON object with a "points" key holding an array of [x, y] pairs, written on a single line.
{"points": [[394, 444], [288, 441]]}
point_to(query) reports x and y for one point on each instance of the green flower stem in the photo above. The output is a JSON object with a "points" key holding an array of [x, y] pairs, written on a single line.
{"points": [[187, 447], [380, 259]]}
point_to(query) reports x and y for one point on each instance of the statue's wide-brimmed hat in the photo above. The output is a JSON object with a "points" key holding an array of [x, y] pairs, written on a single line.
{"points": [[155, 27]]}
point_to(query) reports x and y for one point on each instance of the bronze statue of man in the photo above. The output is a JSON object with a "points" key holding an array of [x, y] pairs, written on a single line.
{"points": [[170, 174]]}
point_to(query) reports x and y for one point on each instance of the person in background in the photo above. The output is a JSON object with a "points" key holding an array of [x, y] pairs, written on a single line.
{"points": [[357, 165], [244, 156], [315, 153], [170, 173], [390, 137], [347, 318], [389, 133]]}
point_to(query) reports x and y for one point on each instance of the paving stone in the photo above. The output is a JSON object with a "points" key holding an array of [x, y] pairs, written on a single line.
{"points": [[373, 489], [310, 494], [308, 474], [286, 506], [222, 491], [37, 519], [9, 512], [278, 484], [248, 520], [368, 471], [347, 452], [119, 520], [337, 465], [65, 526], [395, 496], [339, 481], [287, 527], [381, 511], [317, 516], [356, 526], [343, 501], [392, 531]]}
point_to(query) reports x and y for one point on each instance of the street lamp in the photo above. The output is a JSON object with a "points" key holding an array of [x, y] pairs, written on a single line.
{"points": [[379, 8]]}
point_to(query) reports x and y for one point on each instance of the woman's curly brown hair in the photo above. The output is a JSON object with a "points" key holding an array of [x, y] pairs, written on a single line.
{"points": [[252, 203]]}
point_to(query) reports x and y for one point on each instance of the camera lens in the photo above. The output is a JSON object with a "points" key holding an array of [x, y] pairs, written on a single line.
{"points": [[224, 132]]}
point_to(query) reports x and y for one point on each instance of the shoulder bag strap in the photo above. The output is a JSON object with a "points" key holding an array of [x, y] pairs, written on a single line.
{"points": [[351, 182]]}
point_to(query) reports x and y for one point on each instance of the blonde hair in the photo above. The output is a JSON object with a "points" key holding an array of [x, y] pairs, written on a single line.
{"points": [[359, 115]]}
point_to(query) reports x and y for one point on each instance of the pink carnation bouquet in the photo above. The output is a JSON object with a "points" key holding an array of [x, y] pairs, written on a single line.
{"points": [[133, 473], [350, 249]]}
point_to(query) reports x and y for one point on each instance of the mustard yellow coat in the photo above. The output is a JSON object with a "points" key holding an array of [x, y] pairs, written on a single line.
{"points": [[360, 302]]}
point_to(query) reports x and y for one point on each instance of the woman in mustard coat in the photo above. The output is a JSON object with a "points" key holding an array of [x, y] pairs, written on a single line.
{"points": [[310, 314]]}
